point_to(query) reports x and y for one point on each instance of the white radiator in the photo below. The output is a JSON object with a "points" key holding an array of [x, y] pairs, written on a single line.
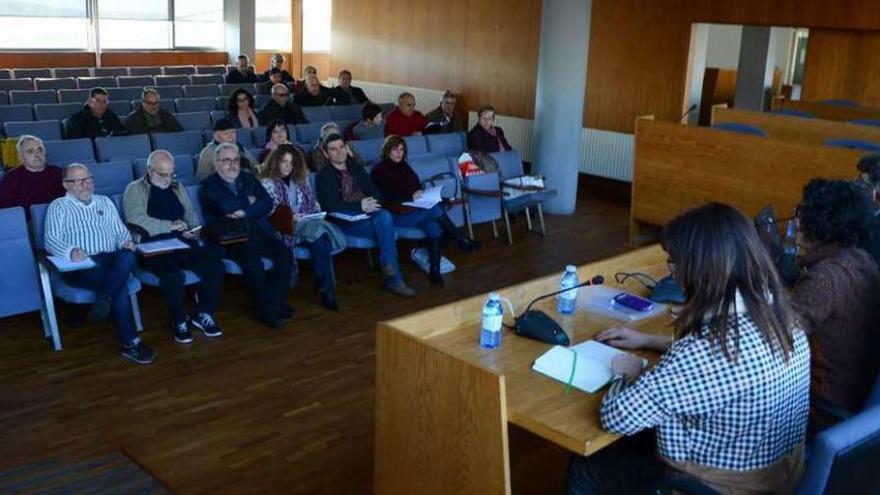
{"points": [[603, 153]]}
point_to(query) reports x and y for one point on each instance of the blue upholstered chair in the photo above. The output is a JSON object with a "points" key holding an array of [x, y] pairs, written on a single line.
{"points": [[120, 107], [20, 290], [211, 69], [145, 71], [29, 97], [482, 196], [854, 144], [16, 113], [16, 84], [109, 71], [170, 93], [510, 166], [126, 93], [740, 128], [116, 147], [172, 80], [178, 70], [69, 151], [135, 81], [73, 96], [111, 177], [201, 91], [201, 104], [73, 72], [47, 130], [309, 133], [205, 79], [347, 112], [416, 146], [56, 111], [448, 144], [369, 149], [317, 115], [186, 142], [55, 83], [228, 89], [194, 121], [105, 82], [54, 283], [32, 73]]}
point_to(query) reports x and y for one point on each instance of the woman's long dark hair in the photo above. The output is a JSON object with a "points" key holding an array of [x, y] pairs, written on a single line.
{"points": [[716, 252], [232, 105], [300, 171]]}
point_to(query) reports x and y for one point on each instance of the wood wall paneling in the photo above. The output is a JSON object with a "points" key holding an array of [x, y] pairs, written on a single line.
{"points": [[135, 58], [263, 59], [321, 61], [23, 60], [843, 64]]}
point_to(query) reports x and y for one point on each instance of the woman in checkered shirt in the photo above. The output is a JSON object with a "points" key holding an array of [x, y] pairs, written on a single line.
{"points": [[729, 397]]}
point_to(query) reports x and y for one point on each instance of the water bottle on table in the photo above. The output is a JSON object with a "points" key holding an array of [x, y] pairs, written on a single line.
{"points": [[490, 333], [568, 299]]}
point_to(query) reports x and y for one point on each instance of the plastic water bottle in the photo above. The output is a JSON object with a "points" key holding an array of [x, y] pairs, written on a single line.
{"points": [[790, 244], [568, 299], [490, 333]]}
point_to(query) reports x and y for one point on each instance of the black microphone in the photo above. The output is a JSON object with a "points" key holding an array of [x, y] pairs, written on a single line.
{"points": [[688, 112], [539, 326]]}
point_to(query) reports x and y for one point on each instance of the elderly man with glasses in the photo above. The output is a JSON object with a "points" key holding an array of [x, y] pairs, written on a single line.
{"points": [[149, 117], [83, 225], [157, 207], [281, 108], [236, 209]]}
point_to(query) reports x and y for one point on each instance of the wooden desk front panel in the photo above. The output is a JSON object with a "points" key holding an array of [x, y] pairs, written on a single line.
{"points": [[796, 129], [534, 401], [680, 167]]}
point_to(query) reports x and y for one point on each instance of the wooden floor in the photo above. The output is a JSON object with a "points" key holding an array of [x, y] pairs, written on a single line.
{"points": [[262, 411]]}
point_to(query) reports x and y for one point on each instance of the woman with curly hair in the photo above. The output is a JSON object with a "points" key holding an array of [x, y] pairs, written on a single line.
{"points": [[241, 109], [838, 298]]}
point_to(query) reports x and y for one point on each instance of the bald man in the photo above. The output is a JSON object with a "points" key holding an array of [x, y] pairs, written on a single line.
{"points": [[161, 208], [314, 95]]}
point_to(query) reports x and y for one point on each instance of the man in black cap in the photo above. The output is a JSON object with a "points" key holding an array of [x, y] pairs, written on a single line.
{"points": [[281, 108], [224, 132], [95, 119]]}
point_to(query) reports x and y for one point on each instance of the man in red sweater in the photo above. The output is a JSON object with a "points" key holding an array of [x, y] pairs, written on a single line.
{"points": [[405, 120], [32, 182]]}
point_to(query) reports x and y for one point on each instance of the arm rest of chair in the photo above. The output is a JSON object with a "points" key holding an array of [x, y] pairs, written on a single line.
{"points": [[482, 192], [454, 201], [525, 188], [826, 407]]}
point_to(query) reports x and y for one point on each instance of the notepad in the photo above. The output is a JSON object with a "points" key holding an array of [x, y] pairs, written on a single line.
{"points": [[65, 265], [428, 200], [311, 217], [161, 246], [592, 367], [348, 217]]}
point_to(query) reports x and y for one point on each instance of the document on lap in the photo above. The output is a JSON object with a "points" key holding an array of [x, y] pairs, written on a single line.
{"points": [[66, 265], [349, 217], [429, 198], [162, 246]]}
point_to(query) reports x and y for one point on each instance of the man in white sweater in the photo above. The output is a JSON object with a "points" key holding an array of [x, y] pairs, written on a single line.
{"points": [[84, 225]]}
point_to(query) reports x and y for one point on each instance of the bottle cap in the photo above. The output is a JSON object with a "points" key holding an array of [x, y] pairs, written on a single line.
{"points": [[570, 268], [493, 296]]}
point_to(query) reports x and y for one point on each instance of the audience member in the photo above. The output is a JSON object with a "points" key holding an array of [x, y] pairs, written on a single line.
{"points": [[280, 107], [242, 73], [236, 203], [397, 184], [313, 95], [158, 207], [371, 127], [345, 187], [149, 117], [485, 136], [224, 132], [277, 134], [33, 182], [838, 298], [869, 181], [83, 225], [346, 94], [95, 119], [286, 179], [278, 64], [318, 159], [240, 109], [729, 396], [443, 118], [265, 88], [405, 120]]}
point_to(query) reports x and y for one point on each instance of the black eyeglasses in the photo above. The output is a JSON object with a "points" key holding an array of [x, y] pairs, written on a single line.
{"points": [[80, 182]]}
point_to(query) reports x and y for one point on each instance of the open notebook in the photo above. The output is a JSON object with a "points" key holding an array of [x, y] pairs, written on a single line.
{"points": [[591, 361]]}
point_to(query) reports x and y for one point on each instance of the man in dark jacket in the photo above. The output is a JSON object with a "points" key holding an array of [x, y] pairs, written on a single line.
{"points": [[344, 187], [282, 108], [278, 63], [95, 120], [229, 198], [443, 119], [149, 117], [242, 73], [346, 94], [314, 95]]}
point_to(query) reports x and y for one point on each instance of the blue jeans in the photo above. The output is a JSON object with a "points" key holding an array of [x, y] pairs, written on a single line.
{"points": [[426, 220], [380, 227], [110, 278], [322, 263]]}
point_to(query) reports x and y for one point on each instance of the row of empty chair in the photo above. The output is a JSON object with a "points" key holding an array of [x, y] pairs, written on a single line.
{"points": [[64, 95], [171, 70], [89, 82]]}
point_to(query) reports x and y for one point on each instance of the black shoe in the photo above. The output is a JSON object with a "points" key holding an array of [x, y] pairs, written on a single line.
{"points": [[466, 245], [101, 309], [285, 312], [400, 289], [436, 279], [205, 323], [139, 352], [269, 321], [328, 299], [182, 334]]}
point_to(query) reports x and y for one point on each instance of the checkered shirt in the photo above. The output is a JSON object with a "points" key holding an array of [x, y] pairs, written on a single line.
{"points": [[708, 410]]}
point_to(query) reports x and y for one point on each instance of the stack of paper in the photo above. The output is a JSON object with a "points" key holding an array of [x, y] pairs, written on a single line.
{"points": [[162, 246], [429, 198], [349, 217], [65, 265], [311, 217], [591, 361]]}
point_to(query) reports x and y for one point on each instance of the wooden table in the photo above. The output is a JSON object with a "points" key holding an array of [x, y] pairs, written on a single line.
{"points": [[443, 402]]}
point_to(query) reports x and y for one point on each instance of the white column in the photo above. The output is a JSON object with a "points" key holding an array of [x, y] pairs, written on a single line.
{"points": [[559, 98], [240, 19]]}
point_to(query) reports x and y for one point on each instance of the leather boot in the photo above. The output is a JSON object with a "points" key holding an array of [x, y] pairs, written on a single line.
{"points": [[434, 257], [465, 244], [400, 288]]}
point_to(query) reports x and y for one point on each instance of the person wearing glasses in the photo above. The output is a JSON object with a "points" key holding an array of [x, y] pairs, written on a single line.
{"points": [[838, 298], [158, 207], [727, 404], [150, 117], [83, 225], [405, 120], [224, 132], [278, 65], [240, 109], [236, 202], [281, 108], [33, 182]]}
